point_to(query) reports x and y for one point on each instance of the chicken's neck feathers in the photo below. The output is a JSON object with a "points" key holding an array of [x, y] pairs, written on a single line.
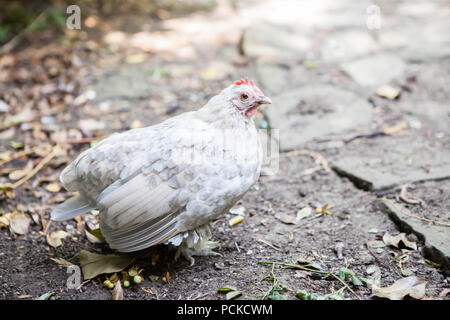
{"points": [[221, 113]]}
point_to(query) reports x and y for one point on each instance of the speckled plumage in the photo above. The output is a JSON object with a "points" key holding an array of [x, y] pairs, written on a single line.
{"points": [[165, 183]]}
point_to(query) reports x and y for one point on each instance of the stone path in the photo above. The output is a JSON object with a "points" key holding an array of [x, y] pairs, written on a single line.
{"points": [[324, 74], [322, 62]]}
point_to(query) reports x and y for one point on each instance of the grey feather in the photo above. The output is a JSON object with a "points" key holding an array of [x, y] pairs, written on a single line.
{"points": [[71, 208]]}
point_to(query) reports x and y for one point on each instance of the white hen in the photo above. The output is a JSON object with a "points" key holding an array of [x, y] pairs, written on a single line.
{"points": [[165, 183]]}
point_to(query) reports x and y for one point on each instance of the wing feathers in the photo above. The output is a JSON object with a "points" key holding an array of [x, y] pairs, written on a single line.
{"points": [[71, 208]]}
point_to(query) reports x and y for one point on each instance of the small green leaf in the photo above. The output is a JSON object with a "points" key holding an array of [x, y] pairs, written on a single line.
{"points": [[233, 294], [17, 144], [97, 233], [275, 295], [306, 296], [227, 289], [45, 296], [407, 272], [356, 281]]}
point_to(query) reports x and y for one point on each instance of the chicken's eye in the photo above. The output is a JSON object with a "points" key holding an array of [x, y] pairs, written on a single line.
{"points": [[244, 96]]}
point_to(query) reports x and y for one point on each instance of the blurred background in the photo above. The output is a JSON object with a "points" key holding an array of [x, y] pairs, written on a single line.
{"points": [[363, 86]]}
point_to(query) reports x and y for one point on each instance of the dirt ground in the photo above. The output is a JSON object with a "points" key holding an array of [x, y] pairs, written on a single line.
{"points": [[50, 73]]}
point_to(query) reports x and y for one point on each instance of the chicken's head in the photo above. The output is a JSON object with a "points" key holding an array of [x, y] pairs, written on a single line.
{"points": [[246, 97]]}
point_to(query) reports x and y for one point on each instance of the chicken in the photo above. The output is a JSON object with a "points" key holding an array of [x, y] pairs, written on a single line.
{"points": [[166, 182]]}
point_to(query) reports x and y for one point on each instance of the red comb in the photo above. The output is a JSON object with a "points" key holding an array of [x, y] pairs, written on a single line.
{"points": [[251, 83]]}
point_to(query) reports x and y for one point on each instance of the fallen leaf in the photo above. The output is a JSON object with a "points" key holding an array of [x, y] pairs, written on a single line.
{"points": [[93, 264], [147, 290], [17, 144], [19, 223], [412, 286], [20, 173], [323, 210], [235, 220], [395, 241], [240, 211], [388, 92], [309, 296], [233, 294], [5, 220], [96, 235], [7, 134], [444, 292], [303, 213], [92, 238], [45, 296], [55, 238], [136, 58], [62, 262], [136, 124], [53, 187], [26, 115], [166, 278], [287, 219], [17, 174], [227, 289], [117, 293], [376, 244]]}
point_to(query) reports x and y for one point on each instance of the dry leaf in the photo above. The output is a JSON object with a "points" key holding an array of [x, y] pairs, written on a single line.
{"points": [[303, 213], [19, 223], [136, 124], [395, 241], [323, 210], [412, 286], [388, 92], [5, 220], [54, 238], [53, 187], [92, 238], [235, 220], [62, 262], [93, 264], [287, 219], [7, 134], [17, 174], [117, 293], [20, 173], [237, 211], [444, 292], [135, 58], [147, 290], [26, 115]]}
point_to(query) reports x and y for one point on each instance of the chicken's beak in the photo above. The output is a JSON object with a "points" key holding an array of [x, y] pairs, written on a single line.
{"points": [[264, 100]]}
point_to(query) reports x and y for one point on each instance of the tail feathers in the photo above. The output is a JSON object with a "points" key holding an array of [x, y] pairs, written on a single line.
{"points": [[70, 208]]}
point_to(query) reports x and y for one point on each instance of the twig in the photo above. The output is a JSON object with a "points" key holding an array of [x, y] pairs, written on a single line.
{"points": [[38, 167], [425, 219], [269, 244], [297, 266], [376, 258], [312, 154], [407, 198], [350, 137], [274, 284], [16, 40]]}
